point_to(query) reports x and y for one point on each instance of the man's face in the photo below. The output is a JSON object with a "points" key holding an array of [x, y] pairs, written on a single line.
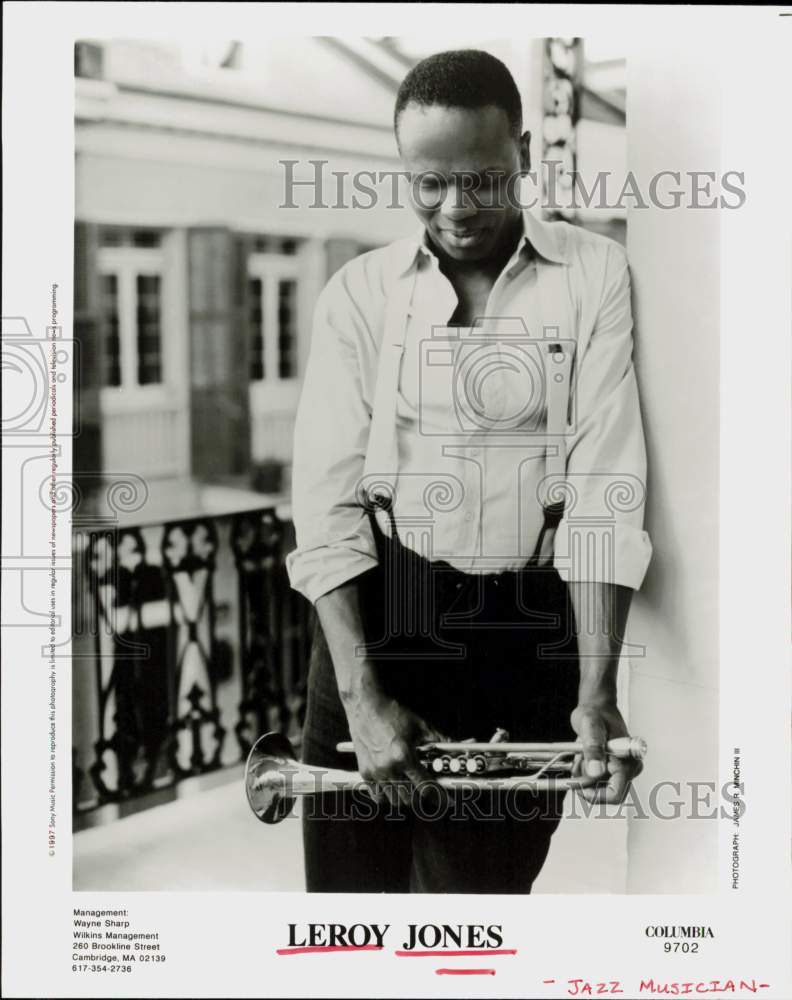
{"points": [[463, 164]]}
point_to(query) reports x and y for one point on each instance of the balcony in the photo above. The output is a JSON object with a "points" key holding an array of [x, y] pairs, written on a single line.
{"points": [[188, 644]]}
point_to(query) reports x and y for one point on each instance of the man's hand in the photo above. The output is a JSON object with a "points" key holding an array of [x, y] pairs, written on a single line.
{"points": [[385, 735], [601, 611], [595, 724]]}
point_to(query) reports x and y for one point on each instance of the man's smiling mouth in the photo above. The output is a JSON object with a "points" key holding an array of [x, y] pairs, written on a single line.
{"points": [[464, 237]]}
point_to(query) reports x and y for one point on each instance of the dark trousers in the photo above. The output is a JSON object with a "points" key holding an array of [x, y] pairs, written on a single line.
{"points": [[469, 654]]}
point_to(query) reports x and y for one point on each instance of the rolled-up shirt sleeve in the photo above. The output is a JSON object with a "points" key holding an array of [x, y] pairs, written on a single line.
{"points": [[601, 537], [334, 539]]}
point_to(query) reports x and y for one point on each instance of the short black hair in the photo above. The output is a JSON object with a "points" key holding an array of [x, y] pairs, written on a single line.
{"points": [[461, 78]]}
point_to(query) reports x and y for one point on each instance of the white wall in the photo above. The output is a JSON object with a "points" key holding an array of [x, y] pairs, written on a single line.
{"points": [[158, 179], [673, 121]]}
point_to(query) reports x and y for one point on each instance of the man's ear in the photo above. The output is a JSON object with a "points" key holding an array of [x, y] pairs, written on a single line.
{"points": [[525, 152]]}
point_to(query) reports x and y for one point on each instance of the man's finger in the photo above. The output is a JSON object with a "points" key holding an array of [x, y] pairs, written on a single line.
{"points": [[616, 788], [630, 765], [404, 792], [612, 793], [370, 788], [416, 774], [421, 780], [593, 736], [431, 735]]}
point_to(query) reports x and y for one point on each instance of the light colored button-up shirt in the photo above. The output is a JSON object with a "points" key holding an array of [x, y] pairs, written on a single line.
{"points": [[470, 411]]}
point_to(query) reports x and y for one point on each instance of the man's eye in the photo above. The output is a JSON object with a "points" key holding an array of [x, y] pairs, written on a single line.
{"points": [[428, 190]]}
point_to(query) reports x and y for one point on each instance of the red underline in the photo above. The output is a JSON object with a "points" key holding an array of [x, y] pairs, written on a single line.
{"points": [[465, 972], [441, 953], [319, 948]]}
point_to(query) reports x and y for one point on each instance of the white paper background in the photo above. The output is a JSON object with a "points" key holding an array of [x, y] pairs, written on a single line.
{"points": [[224, 944]]}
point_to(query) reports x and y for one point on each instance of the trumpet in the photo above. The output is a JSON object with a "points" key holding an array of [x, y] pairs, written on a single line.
{"points": [[274, 777]]}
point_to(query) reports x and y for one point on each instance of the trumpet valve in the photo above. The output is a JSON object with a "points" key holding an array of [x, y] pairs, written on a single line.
{"points": [[476, 765]]}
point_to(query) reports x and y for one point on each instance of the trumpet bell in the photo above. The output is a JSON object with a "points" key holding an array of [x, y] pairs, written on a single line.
{"points": [[268, 757]]}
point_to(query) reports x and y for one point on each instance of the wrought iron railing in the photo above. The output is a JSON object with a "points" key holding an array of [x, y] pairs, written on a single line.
{"points": [[188, 643]]}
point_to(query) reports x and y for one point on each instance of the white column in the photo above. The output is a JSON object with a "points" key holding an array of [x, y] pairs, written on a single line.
{"points": [[673, 122]]}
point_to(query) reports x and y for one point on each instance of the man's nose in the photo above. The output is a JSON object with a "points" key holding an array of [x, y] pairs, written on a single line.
{"points": [[458, 203]]}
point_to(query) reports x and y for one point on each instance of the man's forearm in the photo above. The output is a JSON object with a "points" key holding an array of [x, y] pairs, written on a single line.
{"points": [[342, 623], [601, 611], [384, 733]]}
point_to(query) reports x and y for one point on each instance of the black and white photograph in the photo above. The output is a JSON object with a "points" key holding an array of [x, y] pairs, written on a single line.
{"points": [[396, 500], [377, 392]]}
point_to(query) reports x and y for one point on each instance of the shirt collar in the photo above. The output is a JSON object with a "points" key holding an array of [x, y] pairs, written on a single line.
{"points": [[547, 239]]}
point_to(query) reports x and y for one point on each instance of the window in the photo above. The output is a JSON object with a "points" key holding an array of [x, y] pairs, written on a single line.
{"points": [[256, 297], [287, 333], [131, 308], [149, 345], [111, 353], [127, 236], [273, 296], [284, 245]]}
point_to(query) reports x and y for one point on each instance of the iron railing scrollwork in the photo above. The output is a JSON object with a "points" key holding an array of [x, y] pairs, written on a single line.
{"points": [[195, 730], [190, 632], [256, 541]]}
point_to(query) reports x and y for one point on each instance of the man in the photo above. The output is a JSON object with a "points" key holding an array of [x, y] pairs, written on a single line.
{"points": [[452, 596]]}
